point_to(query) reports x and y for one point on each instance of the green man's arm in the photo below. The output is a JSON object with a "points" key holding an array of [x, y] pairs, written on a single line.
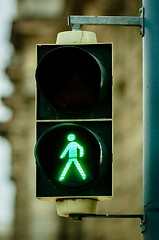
{"points": [[81, 150], [64, 152]]}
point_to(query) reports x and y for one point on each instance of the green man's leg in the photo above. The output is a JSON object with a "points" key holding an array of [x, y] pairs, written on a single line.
{"points": [[78, 166], [63, 174]]}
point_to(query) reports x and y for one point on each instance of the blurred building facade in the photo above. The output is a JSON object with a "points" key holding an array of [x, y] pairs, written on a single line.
{"points": [[39, 22]]}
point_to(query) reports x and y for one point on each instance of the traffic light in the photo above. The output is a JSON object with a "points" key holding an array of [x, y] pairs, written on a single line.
{"points": [[74, 122]]}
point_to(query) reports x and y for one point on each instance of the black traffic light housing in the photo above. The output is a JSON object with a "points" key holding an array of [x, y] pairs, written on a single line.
{"points": [[74, 96]]}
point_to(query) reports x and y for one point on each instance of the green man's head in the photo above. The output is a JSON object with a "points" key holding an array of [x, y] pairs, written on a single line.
{"points": [[71, 137]]}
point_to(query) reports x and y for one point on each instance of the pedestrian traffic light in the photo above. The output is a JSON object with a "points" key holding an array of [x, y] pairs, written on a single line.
{"points": [[74, 122]]}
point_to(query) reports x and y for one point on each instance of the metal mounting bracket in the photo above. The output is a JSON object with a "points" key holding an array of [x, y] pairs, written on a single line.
{"points": [[77, 21], [142, 217], [78, 217]]}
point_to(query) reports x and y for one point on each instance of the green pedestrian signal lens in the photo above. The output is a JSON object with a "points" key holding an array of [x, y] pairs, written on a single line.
{"points": [[72, 150], [65, 155]]}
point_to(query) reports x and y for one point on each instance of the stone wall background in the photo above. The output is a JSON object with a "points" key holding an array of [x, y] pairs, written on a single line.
{"points": [[39, 22]]}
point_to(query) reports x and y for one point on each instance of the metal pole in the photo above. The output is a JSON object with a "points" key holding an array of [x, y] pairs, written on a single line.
{"points": [[151, 118]]}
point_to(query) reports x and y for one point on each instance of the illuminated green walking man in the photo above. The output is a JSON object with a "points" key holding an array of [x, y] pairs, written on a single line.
{"points": [[73, 149]]}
